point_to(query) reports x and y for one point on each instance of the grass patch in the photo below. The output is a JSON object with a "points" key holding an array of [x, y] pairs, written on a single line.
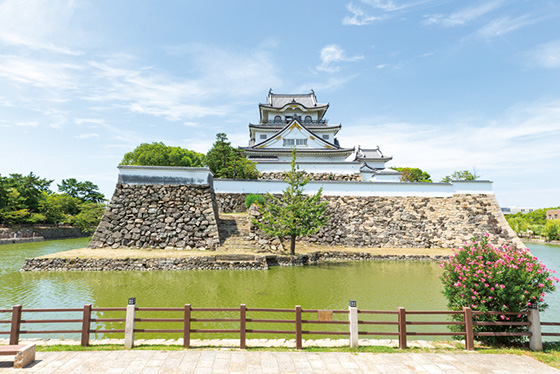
{"points": [[550, 354]]}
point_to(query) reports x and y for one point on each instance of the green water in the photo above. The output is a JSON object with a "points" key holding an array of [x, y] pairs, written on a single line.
{"points": [[381, 285]]}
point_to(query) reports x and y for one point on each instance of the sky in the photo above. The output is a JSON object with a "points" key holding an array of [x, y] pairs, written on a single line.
{"points": [[441, 85]]}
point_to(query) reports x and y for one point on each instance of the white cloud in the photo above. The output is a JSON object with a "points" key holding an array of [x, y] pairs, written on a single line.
{"points": [[221, 76], [465, 15], [38, 73], [505, 25], [510, 144], [386, 5], [27, 124], [331, 55], [35, 24], [87, 136], [546, 55], [359, 17]]}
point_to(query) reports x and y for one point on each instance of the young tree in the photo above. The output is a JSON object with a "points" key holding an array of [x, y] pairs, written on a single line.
{"points": [[461, 175], [228, 162], [413, 174], [159, 154], [295, 214]]}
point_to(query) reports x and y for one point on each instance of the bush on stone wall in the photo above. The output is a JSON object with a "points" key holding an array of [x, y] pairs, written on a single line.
{"points": [[254, 199]]}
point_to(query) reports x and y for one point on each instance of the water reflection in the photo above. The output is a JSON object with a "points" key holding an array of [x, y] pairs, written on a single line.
{"points": [[382, 285]]}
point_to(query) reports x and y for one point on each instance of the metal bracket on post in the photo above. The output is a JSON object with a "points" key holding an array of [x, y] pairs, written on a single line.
{"points": [[129, 324], [353, 319], [535, 340]]}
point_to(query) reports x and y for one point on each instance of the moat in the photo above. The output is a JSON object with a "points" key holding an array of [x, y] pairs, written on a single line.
{"points": [[382, 285]]}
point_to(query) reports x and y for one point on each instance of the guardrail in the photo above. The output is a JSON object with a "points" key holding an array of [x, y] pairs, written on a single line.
{"points": [[298, 322]]}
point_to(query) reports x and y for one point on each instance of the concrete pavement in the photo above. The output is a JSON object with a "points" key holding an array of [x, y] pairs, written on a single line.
{"points": [[237, 361]]}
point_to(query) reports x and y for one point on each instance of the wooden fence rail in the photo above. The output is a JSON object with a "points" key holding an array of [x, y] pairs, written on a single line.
{"points": [[296, 322]]}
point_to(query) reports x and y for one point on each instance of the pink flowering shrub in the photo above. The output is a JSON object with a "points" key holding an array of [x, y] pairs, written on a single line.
{"points": [[488, 278]]}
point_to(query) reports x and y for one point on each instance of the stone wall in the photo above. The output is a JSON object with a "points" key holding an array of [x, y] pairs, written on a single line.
{"points": [[408, 222], [218, 262], [159, 216], [231, 202], [317, 176], [35, 233]]}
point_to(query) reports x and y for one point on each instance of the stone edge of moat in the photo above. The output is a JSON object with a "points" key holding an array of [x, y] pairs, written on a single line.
{"points": [[216, 262]]}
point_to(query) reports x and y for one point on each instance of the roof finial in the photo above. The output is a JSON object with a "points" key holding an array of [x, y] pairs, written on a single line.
{"points": [[270, 91]]}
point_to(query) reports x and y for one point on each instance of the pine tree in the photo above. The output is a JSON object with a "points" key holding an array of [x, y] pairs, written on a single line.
{"points": [[294, 214]]}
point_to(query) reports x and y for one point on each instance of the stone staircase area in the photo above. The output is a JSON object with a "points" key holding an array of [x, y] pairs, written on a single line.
{"points": [[234, 233]]}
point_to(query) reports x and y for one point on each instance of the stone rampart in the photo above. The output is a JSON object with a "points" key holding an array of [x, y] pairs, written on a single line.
{"points": [[317, 176], [408, 222], [216, 262], [159, 216]]}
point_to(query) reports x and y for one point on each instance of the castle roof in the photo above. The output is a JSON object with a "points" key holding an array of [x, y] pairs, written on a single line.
{"points": [[281, 100], [373, 154]]}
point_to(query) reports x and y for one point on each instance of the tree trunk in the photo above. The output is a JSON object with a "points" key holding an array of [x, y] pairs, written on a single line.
{"points": [[293, 245]]}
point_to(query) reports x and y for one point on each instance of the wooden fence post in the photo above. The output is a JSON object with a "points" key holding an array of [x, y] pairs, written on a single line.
{"points": [[129, 324], [86, 324], [242, 325], [187, 327], [353, 320], [535, 340], [402, 328], [469, 333], [299, 342], [16, 325]]}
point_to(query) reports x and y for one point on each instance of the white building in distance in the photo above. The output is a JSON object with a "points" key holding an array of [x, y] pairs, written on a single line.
{"points": [[298, 120]]}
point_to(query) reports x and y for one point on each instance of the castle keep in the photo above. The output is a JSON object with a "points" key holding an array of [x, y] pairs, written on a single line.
{"points": [[178, 208]]}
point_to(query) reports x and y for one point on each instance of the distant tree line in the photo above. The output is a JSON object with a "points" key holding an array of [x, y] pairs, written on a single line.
{"points": [[409, 174], [29, 199], [535, 224]]}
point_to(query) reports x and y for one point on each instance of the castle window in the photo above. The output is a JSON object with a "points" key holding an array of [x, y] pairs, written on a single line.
{"points": [[326, 137], [308, 119], [292, 142], [263, 136], [277, 119]]}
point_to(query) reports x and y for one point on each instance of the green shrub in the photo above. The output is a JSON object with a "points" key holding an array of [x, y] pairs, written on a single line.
{"points": [[254, 199], [487, 278], [552, 229]]}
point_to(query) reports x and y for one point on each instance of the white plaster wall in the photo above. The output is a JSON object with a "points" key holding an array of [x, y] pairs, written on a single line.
{"points": [[356, 188], [131, 174]]}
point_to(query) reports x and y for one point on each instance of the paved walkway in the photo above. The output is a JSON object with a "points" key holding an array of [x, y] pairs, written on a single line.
{"points": [[220, 361]]}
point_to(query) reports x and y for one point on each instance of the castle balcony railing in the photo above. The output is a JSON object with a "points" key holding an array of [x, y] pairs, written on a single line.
{"points": [[285, 122]]}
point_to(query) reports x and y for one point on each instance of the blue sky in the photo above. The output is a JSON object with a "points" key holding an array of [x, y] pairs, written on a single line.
{"points": [[440, 85]]}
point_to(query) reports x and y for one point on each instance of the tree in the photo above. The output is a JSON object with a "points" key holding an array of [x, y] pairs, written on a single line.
{"points": [[487, 278], [20, 198], [413, 175], [159, 154], [89, 217], [552, 229], [295, 213], [228, 162], [85, 191], [461, 175]]}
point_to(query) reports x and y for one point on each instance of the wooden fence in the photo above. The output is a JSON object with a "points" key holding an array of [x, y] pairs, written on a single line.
{"points": [[298, 322]]}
